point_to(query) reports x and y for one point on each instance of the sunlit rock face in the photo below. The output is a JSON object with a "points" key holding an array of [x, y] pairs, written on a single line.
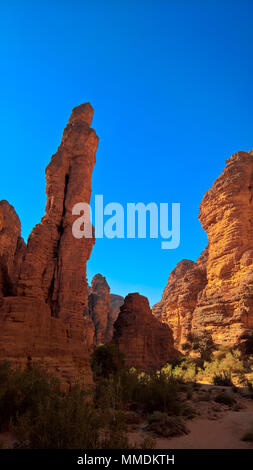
{"points": [[180, 297], [215, 294], [42, 317], [146, 343]]}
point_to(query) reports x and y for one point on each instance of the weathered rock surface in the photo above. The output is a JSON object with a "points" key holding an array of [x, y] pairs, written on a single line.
{"points": [[46, 320], [103, 308], [116, 302], [12, 249], [215, 294], [147, 344], [180, 297]]}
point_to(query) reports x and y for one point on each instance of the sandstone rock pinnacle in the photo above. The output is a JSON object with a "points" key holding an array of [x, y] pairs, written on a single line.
{"points": [[146, 343], [46, 320]]}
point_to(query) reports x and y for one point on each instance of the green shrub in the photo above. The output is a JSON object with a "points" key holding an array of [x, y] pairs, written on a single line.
{"points": [[107, 360], [145, 392], [63, 421], [22, 391], [203, 344], [186, 370], [226, 363]]}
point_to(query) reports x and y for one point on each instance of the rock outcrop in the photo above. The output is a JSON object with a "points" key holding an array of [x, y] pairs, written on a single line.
{"points": [[215, 294], [180, 297], [12, 249], [103, 308], [42, 313], [146, 343]]}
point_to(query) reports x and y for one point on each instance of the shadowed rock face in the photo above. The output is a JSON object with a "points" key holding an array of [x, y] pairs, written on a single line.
{"points": [[215, 294], [45, 321], [12, 249], [146, 343], [103, 308]]}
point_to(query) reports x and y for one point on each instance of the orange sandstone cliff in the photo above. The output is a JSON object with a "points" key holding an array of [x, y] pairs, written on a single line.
{"points": [[215, 294], [43, 287], [145, 342]]}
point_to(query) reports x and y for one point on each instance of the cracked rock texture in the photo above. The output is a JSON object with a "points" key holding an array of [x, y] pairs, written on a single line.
{"points": [[215, 294], [43, 298]]}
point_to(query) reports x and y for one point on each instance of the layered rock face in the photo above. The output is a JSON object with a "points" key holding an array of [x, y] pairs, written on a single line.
{"points": [[146, 343], [180, 297], [103, 308], [45, 320], [215, 295], [12, 249]]}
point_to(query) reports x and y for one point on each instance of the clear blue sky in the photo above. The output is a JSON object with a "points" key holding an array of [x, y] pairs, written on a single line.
{"points": [[171, 85]]}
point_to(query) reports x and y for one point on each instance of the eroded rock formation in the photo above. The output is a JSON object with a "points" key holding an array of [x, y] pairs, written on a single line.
{"points": [[180, 297], [146, 343], [103, 308], [12, 249], [215, 294], [46, 320]]}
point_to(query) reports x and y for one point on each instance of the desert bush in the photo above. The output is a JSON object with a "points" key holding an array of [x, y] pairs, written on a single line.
{"points": [[23, 390], [225, 364], [223, 378], [158, 392], [203, 344], [225, 398], [186, 371], [166, 426], [107, 360], [63, 421], [188, 412], [147, 392], [43, 416]]}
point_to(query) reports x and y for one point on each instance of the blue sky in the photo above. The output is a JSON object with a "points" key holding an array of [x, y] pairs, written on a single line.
{"points": [[171, 85]]}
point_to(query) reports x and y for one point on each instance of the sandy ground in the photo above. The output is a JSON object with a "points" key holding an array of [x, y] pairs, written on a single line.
{"points": [[223, 432]]}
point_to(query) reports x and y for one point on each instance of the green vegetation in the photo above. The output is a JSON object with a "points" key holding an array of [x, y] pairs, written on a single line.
{"points": [[43, 416], [225, 367]]}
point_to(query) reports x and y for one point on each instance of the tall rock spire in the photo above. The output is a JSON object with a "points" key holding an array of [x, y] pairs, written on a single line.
{"points": [[55, 264], [43, 316]]}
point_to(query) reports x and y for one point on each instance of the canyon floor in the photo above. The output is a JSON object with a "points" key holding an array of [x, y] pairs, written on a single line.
{"points": [[215, 426]]}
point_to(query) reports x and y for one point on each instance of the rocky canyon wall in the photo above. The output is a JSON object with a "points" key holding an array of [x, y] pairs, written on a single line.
{"points": [[215, 294]]}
